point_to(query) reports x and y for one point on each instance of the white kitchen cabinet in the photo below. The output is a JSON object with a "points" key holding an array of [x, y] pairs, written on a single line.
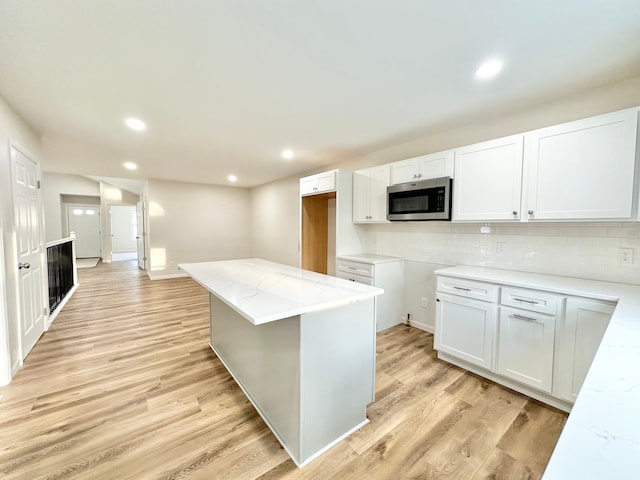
{"points": [[370, 194], [320, 183], [434, 165], [379, 271], [525, 347], [488, 180], [465, 329], [326, 221], [582, 170], [580, 334], [545, 338]]}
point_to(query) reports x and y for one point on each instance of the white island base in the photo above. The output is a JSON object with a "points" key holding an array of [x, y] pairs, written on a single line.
{"points": [[309, 376]]}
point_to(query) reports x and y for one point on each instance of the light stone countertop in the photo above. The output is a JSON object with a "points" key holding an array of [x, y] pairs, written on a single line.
{"points": [[369, 258], [263, 291], [601, 438]]}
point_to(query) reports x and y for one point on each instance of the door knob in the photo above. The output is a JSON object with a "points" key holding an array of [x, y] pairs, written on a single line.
{"points": [[23, 265]]}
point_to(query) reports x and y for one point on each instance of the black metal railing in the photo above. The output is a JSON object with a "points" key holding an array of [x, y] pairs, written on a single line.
{"points": [[61, 275]]}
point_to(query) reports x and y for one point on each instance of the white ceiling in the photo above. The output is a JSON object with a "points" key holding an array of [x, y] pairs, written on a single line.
{"points": [[225, 85]]}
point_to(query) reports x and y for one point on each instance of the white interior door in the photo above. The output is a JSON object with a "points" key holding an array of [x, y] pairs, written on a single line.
{"points": [[28, 220], [140, 235], [123, 228], [84, 222]]}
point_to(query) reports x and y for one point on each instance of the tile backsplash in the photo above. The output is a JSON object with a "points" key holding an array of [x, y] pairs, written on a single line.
{"points": [[586, 250]]}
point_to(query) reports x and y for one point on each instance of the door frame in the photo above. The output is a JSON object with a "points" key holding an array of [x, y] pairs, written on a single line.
{"points": [[5, 346], [142, 234]]}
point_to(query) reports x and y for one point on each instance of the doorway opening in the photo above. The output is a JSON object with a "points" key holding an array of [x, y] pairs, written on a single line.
{"points": [[124, 233]]}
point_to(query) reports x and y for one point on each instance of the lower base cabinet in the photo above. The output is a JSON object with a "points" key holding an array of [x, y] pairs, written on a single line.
{"points": [[525, 347], [465, 329], [580, 334], [537, 342]]}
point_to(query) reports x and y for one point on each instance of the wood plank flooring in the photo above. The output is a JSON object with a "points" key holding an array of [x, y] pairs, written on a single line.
{"points": [[125, 386]]}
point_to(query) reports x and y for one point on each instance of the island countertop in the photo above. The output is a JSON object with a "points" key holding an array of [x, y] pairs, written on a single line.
{"points": [[263, 291]]}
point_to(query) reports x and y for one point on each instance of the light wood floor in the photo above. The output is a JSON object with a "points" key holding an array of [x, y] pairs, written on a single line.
{"points": [[125, 386]]}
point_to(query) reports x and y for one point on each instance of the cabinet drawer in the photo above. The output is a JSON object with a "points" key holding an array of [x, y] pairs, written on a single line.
{"points": [[354, 277], [358, 268], [531, 300], [487, 292]]}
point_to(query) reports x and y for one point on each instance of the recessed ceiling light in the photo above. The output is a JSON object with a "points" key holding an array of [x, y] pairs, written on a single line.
{"points": [[287, 154], [130, 165], [232, 178], [135, 124], [489, 69]]}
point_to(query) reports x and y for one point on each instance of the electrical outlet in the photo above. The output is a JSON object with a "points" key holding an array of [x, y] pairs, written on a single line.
{"points": [[424, 302], [499, 248], [625, 255]]}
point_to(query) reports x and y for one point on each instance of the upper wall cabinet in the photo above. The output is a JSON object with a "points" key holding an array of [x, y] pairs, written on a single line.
{"points": [[582, 170], [320, 183], [488, 179], [370, 194], [434, 165]]}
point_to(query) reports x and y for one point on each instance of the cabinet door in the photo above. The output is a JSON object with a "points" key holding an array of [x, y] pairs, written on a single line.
{"points": [[404, 171], [525, 347], [580, 333], [583, 169], [488, 179], [378, 183], [361, 196], [326, 181], [465, 329], [436, 165], [320, 183], [308, 185]]}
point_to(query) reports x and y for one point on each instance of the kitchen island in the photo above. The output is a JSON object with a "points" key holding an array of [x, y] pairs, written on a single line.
{"points": [[300, 344]]}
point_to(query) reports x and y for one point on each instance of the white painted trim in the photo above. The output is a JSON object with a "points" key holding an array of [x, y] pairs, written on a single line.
{"points": [[423, 326], [166, 277], [5, 352]]}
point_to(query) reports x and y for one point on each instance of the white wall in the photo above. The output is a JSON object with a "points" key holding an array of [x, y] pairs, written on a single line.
{"points": [[190, 222], [12, 128], [574, 249], [275, 221], [54, 185]]}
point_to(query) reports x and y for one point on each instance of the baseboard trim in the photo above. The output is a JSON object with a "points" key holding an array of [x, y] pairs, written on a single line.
{"points": [[423, 326]]}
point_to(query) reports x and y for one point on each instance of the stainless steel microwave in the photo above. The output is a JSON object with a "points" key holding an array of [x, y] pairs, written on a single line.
{"points": [[422, 200]]}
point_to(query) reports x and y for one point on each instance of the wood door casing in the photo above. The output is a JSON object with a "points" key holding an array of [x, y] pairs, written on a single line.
{"points": [[315, 230]]}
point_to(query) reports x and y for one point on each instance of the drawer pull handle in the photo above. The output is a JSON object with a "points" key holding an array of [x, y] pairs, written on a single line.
{"points": [[522, 317], [352, 268], [532, 302], [462, 288]]}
